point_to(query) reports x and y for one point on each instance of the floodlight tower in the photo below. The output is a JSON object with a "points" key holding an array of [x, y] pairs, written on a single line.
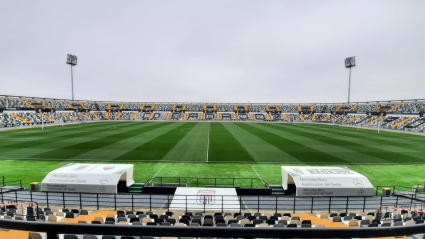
{"points": [[72, 60], [350, 62]]}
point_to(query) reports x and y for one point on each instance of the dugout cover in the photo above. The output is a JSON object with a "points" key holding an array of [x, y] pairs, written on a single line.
{"points": [[88, 178], [326, 181]]}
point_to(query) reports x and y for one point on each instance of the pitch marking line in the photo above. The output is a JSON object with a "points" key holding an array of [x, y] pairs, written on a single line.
{"points": [[208, 145], [159, 170], [256, 172]]}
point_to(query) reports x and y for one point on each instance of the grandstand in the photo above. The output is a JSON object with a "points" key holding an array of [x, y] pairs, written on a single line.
{"points": [[403, 115]]}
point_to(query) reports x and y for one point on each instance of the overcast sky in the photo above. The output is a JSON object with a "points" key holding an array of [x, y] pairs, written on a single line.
{"points": [[213, 51]]}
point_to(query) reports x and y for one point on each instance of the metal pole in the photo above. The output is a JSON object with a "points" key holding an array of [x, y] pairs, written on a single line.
{"points": [[72, 85], [349, 86]]}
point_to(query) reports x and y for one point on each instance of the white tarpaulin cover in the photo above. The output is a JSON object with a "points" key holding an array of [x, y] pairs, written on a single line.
{"points": [[208, 198], [326, 181], [88, 178]]}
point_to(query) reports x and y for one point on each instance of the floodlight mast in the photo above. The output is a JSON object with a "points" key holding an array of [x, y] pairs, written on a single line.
{"points": [[350, 62], [72, 60]]}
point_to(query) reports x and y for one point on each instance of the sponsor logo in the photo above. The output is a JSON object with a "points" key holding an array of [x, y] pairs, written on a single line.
{"points": [[205, 197], [103, 189], [81, 167], [298, 171], [108, 167], [105, 180], [361, 191], [358, 183]]}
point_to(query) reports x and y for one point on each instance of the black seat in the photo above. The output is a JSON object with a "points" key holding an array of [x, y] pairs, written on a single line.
{"points": [[184, 220], [196, 220], [306, 222], [249, 225], [271, 221], [257, 221], [221, 224], [291, 225], [95, 222], [373, 225], [153, 216], [252, 218], [151, 224], [232, 221], [171, 220], [134, 219], [220, 221], [159, 220]]}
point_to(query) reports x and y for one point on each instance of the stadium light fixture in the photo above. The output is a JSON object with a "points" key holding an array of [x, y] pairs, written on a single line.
{"points": [[350, 62], [72, 60]]}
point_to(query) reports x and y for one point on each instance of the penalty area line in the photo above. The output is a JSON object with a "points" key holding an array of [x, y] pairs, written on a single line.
{"points": [[256, 172], [159, 170]]}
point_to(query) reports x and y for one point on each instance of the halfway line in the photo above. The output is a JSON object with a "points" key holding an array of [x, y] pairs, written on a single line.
{"points": [[208, 145]]}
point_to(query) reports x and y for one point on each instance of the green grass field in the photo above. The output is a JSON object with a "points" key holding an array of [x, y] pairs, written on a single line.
{"points": [[213, 150]]}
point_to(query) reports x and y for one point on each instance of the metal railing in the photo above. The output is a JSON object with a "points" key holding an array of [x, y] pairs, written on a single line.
{"points": [[53, 229], [14, 183], [221, 202], [209, 182]]}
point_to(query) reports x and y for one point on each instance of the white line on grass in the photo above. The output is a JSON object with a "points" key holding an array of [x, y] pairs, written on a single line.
{"points": [[208, 145], [159, 170], [256, 172]]}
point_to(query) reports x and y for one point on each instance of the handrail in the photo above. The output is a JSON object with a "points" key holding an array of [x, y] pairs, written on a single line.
{"points": [[20, 182], [215, 180], [239, 203], [52, 229], [121, 102]]}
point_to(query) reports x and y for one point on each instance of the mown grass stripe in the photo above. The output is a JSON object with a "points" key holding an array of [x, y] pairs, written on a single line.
{"points": [[78, 150], [158, 147], [60, 136], [35, 136], [128, 142], [259, 149], [309, 150], [371, 148], [224, 147], [192, 147], [413, 142], [340, 148], [68, 141]]}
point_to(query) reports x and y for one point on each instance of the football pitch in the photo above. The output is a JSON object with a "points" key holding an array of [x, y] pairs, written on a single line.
{"points": [[212, 149]]}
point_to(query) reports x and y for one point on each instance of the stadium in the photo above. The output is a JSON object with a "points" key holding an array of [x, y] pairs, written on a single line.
{"points": [[163, 128]]}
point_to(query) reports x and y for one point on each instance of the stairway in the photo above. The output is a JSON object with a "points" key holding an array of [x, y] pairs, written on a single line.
{"points": [[277, 190], [301, 117], [47, 117], [83, 106], [97, 117], [69, 105], [337, 109], [326, 117], [136, 188], [135, 114]]}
